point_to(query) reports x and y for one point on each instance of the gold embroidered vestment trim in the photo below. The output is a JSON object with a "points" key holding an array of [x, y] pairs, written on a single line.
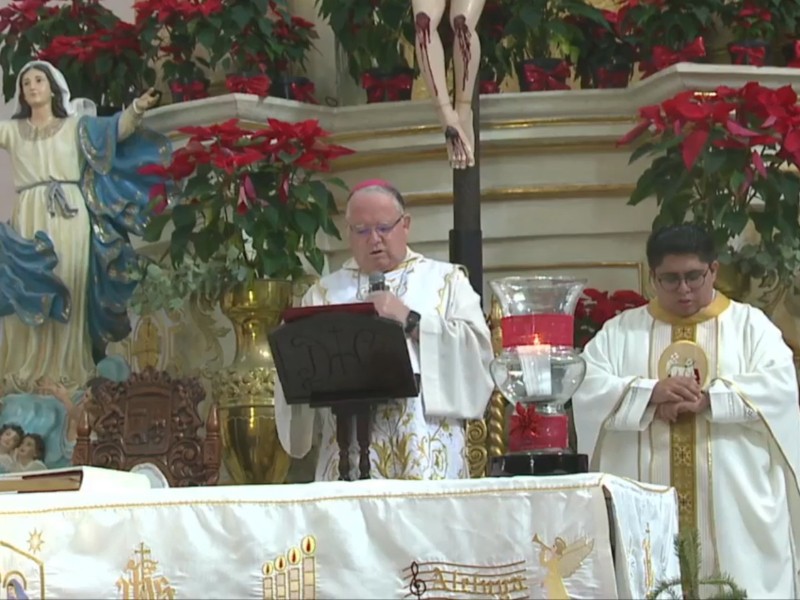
{"points": [[683, 444]]}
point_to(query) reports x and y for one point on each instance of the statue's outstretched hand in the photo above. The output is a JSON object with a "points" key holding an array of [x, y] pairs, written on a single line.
{"points": [[148, 100]]}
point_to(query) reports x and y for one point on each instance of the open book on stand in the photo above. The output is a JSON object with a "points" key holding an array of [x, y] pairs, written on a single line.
{"points": [[72, 479]]}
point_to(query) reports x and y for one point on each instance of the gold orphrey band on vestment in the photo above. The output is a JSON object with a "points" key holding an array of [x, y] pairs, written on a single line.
{"points": [[683, 442]]}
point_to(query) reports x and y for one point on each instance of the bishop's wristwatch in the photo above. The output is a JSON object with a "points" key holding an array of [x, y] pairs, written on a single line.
{"points": [[412, 322]]}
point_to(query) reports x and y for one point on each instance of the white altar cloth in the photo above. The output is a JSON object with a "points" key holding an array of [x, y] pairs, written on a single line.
{"points": [[543, 537]]}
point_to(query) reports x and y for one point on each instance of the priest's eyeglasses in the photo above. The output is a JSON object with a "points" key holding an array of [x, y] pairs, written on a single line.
{"points": [[381, 230], [672, 281]]}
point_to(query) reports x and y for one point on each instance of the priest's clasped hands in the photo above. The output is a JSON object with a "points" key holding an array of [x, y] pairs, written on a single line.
{"points": [[676, 395]]}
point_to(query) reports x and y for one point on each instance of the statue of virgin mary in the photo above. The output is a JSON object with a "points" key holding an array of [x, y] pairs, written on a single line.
{"points": [[66, 261]]}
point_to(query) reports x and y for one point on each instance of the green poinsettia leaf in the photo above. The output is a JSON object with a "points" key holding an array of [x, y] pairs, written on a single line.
{"points": [[155, 227], [645, 187], [305, 221]]}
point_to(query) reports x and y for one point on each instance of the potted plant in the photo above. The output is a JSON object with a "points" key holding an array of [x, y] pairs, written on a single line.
{"points": [[606, 54], [671, 32], [292, 39], [728, 159], [267, 48], [753, 30], [787, 21], [542, 36], [374, 37], [76, 37], [251, 54], [495, 56], [175, 34], [20, 38], [243, 206], [106, 65], [594, 308]]}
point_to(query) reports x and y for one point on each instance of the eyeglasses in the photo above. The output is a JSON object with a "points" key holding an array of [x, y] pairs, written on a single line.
{"points": [[381, 230], [672, 281]]}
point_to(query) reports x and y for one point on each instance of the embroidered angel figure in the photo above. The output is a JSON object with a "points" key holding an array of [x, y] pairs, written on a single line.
{"points": [[561, 561]]}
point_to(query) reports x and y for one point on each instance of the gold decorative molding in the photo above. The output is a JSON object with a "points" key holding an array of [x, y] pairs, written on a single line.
{"points": [[496, 425], [496, 412], [363, 135], [147, 344], [641, 274], [477, 457], [530, 192], [492, 148]]}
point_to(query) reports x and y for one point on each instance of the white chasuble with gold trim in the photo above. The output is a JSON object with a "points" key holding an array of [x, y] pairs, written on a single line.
{"points": [[412, 438], [734, 467]]}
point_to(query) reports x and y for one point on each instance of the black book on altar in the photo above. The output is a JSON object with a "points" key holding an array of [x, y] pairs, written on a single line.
{"points": [[342, 354]]}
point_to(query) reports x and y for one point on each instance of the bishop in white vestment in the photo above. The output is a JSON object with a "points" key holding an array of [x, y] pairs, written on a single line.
{"points": [[700, 392], [448, 341]]}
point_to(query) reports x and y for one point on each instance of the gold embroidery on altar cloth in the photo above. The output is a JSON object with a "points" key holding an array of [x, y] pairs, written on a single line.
{"points": [[649, 576], [35, 541], [293, 574], [22, 572], [141, 578], [561, 561], [444, 580]]}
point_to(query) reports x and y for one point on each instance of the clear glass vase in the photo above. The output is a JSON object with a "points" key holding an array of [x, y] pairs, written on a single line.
{"points": [[539, 368]]}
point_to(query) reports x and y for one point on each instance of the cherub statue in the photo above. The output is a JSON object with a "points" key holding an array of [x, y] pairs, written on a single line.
{"points": [[29, 456], [65, 256], [456, 120], [11, 436]]}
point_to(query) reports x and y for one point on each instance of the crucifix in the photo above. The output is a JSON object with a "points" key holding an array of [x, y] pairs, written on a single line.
{"points": [[460, 118]]}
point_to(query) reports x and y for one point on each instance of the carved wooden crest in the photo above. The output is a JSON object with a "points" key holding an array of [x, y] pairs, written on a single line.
{"points": [[151, 418]]}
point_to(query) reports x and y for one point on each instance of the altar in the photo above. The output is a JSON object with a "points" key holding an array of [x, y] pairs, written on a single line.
{"points": [[551, 537]]}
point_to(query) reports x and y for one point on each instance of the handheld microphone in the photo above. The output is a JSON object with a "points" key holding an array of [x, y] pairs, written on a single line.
{"points": [[377, 282]]}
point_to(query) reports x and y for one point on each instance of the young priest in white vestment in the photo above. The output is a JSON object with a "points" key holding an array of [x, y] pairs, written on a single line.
{"points": [[700, 392], [448, 340]]}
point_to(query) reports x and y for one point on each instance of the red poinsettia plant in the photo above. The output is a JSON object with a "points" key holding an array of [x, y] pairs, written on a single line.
{"points": [[265, 49], [105, 64], [595, 307], [669, 32], [753, 30], [98, 53], [20, 38], [606, 54], [252, 199], [725, 159], [172, 33]]}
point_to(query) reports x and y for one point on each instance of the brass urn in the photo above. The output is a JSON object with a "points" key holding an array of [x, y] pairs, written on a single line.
{"points": [[245, 390]]}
